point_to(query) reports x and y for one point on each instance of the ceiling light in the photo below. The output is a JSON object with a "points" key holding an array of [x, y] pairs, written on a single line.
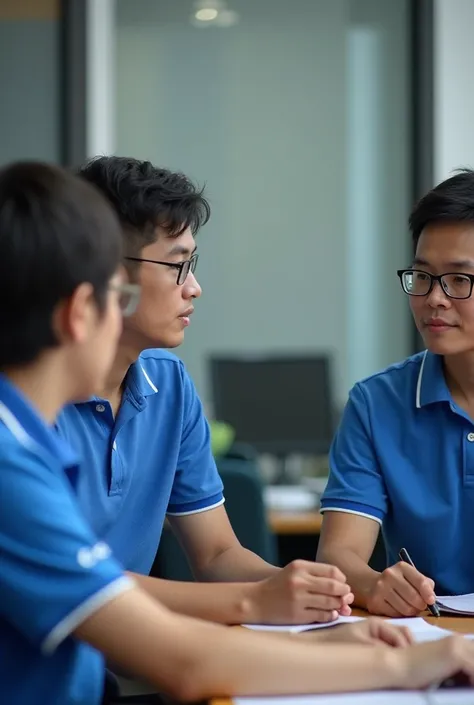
{"points": [[206, 14]]}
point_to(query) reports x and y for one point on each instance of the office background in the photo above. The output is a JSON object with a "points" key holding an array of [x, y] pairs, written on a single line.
{"points": [[314, 125]]}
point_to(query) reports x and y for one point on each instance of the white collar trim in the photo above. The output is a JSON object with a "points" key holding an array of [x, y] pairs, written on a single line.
{"points": [[148, 379], [13, 425], [418, 384]]}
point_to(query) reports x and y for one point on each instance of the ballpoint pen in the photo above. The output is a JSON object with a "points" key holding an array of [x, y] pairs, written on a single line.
{"points": [[404, 556]]}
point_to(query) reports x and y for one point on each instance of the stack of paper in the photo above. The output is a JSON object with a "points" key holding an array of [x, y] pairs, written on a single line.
{"points": [[459, 604]]}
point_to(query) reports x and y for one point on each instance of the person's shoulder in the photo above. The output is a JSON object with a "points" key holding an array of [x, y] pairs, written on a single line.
{"points": [[16, 453], [398, 378], [158, 356], [161, 365]]}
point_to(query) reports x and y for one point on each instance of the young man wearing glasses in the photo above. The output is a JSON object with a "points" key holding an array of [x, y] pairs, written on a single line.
{"points": [[403, 457], [145, 440]]}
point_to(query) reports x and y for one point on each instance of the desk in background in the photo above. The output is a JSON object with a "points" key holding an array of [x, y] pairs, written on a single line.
{"points": [[290, 523]]}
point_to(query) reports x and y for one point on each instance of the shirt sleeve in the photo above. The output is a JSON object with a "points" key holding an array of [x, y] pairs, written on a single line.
{"points": [[197, 485], [53, 572], [355, 484]]}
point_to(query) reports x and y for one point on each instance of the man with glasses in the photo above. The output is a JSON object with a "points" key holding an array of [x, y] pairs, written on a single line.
{"points": [[145, 441], [403, 457]]}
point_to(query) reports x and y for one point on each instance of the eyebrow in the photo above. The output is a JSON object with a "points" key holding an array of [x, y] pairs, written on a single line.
{"points": [[181, 250], [458, 264]]}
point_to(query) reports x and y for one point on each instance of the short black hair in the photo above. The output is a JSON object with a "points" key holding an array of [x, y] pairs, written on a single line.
{"points": [[56, 232], [145, 196], [451, 201]]}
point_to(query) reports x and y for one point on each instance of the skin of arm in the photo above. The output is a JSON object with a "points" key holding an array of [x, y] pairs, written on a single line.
{"points": [[348, 541], [302, 593], [399, 591], [192, 660], [213, 550]]}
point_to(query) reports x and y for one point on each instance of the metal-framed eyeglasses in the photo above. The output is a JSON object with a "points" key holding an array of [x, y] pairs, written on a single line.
{"points": [[455, 285], [183, 268]]}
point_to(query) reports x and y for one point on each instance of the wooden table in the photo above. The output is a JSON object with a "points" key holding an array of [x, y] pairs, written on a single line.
{"points": [[462, 625], [288, 523]]}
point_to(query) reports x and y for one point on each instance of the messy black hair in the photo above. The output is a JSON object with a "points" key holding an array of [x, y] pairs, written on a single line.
{"points": [[145, 196], [56, 232], [451, 201]]}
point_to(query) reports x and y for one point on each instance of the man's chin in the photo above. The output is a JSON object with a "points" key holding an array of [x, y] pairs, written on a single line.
{"points": [[173, 341], [443, 347]]}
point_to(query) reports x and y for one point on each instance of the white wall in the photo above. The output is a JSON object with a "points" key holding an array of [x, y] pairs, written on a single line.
{"points": [[260, 112], [454, 92]]}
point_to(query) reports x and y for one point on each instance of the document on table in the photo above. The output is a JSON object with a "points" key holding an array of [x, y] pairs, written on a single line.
{"points": [[297, 628], [458, 604], [378, 697], [421, 630]]}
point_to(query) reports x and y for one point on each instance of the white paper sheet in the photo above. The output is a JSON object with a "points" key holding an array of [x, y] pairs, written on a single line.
{"points": [[296, 628], [380, 697], [459, 604], [464, 696], [421, 630]]}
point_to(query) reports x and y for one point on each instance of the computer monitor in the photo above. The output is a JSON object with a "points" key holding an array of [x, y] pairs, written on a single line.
{"points": [[281, 405]]}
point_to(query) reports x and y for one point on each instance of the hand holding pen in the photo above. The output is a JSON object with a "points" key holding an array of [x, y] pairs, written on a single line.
{"points": [[401, 591], [433, 607]]}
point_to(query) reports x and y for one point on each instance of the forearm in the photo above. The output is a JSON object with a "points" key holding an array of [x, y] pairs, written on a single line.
{"points": [[223, 603], [358, 574], [237, 564], [193, 660], [247, 664]]}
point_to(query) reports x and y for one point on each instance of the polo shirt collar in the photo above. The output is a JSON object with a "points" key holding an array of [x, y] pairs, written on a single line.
{"points": [[431, 385], [28, 427], [139, 378]]}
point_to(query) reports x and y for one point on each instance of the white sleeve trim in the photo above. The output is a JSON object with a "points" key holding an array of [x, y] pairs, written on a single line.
{"points": [[350, 511], [67, 625], [196, 511]]}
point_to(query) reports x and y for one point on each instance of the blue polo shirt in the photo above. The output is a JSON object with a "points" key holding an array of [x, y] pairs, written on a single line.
{"points": [[154, 458], [404, 457], [53, 571]]}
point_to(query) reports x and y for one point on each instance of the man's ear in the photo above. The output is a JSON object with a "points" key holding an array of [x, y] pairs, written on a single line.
{"points": [[74, 317]]}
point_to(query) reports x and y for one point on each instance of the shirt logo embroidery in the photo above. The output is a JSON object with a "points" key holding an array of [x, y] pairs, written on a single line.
{"points": [[89, 557]]}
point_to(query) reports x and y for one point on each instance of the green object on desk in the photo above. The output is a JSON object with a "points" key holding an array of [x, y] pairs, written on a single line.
{"points": [[222, 438]]}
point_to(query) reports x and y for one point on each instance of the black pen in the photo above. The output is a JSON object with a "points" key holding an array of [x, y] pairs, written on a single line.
{"points": [[404, 556]]}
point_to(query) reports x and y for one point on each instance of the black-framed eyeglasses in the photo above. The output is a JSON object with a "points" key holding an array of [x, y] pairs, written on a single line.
{"points": [[416, 282], [183, 268]]}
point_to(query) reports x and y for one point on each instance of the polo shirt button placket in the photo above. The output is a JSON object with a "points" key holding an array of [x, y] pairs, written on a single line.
{"points": [[468, 458]]}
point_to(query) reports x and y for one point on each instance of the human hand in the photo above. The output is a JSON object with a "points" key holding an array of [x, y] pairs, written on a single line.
{"points": [[433, 662], [301, 593], [401, 591]]}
